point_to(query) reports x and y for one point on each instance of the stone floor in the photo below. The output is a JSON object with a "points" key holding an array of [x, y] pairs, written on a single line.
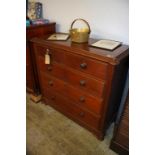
{"points": [[51, 133]]}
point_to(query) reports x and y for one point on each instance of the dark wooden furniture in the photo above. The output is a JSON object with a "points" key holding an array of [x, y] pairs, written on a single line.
{"points": [[120, 141], [31, 76], [82, 82]]}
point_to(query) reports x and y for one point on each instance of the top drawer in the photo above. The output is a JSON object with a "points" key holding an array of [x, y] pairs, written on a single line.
{"points": [[55, 55], [87, 65]]}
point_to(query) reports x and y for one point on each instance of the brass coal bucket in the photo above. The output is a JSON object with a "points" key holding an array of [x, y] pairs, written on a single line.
{"points": [[79, 35]]}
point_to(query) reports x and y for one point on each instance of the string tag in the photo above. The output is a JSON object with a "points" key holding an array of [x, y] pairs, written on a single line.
{"points": [[47, 58]]}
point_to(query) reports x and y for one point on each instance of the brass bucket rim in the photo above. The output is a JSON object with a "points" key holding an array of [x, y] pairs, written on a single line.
{"points": [[80, 29]]}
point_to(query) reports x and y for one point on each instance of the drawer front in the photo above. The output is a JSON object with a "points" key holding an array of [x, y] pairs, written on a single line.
{"points": [[51, 83], [85, 83], [55, 55], [63, 104], [51, 69], [87, 65], [84, 100]]}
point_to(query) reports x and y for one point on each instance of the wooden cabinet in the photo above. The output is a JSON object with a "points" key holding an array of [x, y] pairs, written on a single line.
{"points": [[82, 82], [32, 85], [120, 141]]}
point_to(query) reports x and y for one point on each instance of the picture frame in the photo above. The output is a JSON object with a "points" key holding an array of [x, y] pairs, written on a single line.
{"points": [[58, 36]]}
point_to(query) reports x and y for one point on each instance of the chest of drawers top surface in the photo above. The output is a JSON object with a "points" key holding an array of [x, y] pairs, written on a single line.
{"points": [[84, 49]]}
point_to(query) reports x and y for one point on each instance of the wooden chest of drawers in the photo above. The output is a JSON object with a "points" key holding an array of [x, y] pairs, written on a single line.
{"points": [[82, 82], [32, 85]]}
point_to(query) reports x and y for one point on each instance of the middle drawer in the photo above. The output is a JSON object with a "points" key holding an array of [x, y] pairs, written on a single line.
{"points": [[51, 83], [85, 82]]}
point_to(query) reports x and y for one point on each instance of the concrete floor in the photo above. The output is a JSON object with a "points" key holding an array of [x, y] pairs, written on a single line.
{"points": [[51, 133]]}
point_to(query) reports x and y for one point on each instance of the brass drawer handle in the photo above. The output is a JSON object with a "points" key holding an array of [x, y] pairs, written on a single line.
{"points": [[82, 82], [49, 68], [50, 83], [81, 114], [83, 65], [82, 99]]}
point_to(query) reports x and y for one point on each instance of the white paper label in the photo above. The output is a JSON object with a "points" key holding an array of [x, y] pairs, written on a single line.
{"points": [[47, 59]]}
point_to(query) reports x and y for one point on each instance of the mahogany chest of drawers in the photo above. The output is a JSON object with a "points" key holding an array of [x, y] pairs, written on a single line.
{"points": [[32, 85], [82, 82]]}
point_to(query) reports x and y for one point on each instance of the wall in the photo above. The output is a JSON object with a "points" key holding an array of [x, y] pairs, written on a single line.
{"points": [[107, 18]]}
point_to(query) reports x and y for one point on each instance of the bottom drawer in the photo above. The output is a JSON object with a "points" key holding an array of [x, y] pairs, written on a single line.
{"points": [[63, 104]]}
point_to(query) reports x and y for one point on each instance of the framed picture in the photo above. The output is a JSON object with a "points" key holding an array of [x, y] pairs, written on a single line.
{"points": [[58, 36], [106, 44]]}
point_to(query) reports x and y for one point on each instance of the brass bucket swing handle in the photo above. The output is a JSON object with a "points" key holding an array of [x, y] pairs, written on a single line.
{"points": [[83, 21]]}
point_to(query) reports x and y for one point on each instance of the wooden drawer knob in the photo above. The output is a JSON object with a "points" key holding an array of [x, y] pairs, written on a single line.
{"points": [[82, 99], [83, 65], [50, 83], [82, 82], [49, 68]]}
